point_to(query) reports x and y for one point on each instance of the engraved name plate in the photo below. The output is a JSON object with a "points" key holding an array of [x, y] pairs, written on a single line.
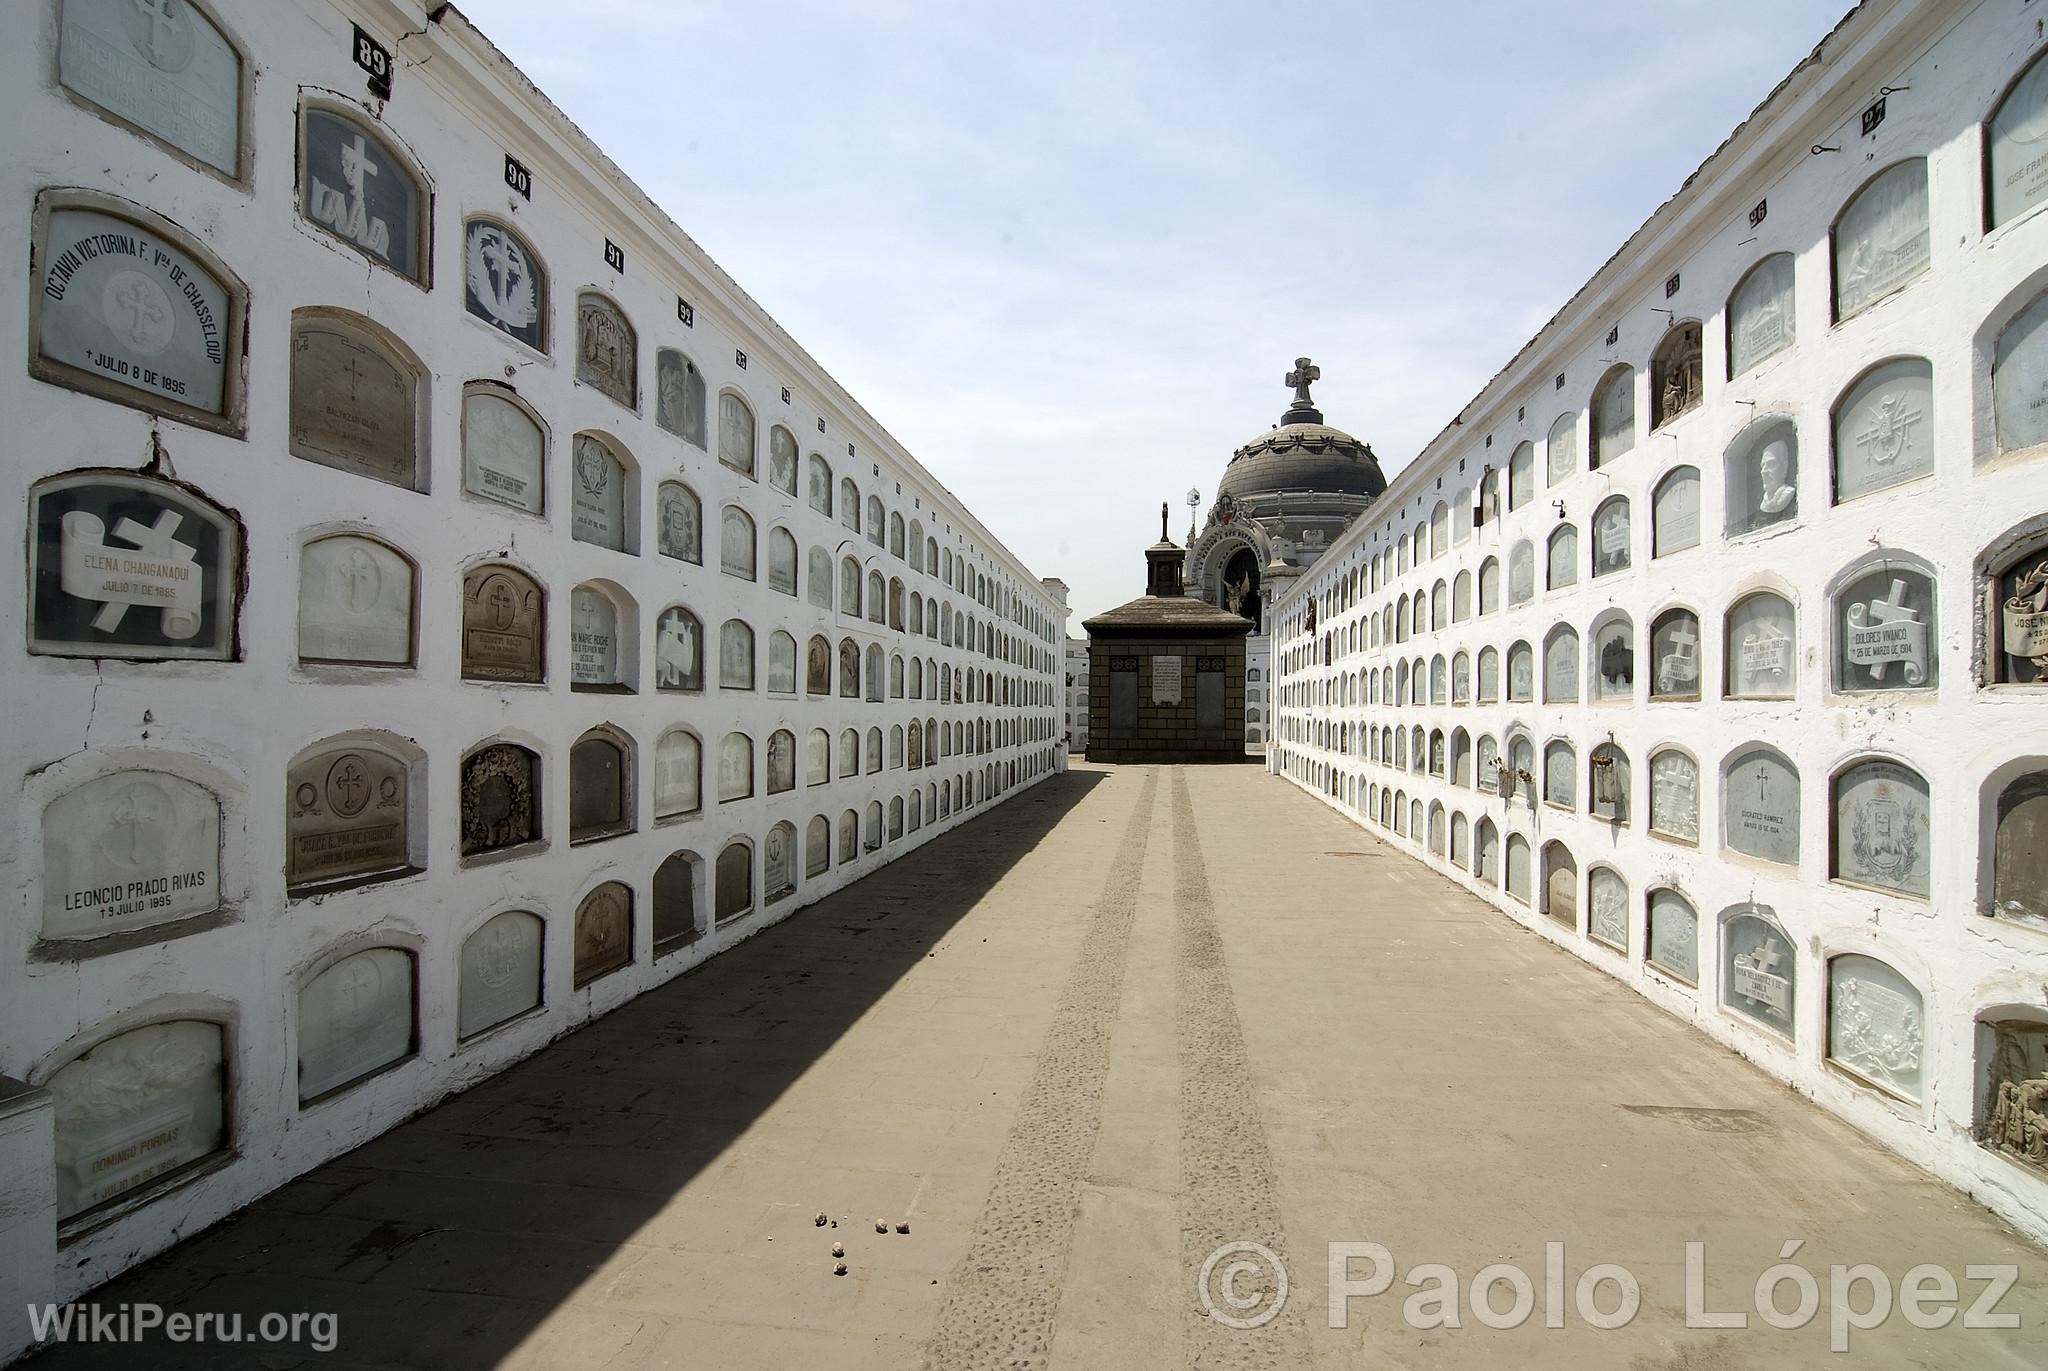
{"points": [[355, 1018], [128, 851]]}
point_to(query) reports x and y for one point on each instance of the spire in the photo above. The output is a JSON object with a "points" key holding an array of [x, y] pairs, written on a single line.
{"points": [[1162, 522], [1303, 410], [1163, 562]]}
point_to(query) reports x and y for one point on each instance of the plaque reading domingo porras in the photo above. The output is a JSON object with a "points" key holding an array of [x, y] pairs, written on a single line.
{"points": [[129, 566]]}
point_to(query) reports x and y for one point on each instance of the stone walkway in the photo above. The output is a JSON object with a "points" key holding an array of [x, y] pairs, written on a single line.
{"points": [[1076, 1045]]}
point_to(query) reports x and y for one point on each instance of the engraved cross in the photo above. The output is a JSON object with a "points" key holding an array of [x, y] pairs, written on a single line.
{"points": [[162, 20]]}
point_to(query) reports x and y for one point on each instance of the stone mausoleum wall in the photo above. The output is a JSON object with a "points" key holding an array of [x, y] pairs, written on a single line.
{"points": [[1165, 731], [452, 606], [1711, 641]]}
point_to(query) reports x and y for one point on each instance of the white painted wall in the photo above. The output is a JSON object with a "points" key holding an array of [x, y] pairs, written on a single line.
{"points": [[458, 108], [1968, 740]]}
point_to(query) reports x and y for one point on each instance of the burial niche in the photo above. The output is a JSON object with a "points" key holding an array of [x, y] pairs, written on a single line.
{"points": [[1883, 429], [1760, 318], [1876, 1024], [1675, 512], [138, 1109], [1760, 806], [1561, 665], [2019, 379], [500, 799], [678, 650], [2019, 859], [1760, 477], [675, 902], [679, 396], [1759, 971], [778, 860], [1609, 783], [1563, 566], [1560, 885], [599, 801], [604, 932], [356, 601], [599, 491], [127, 851], [346, 815], [1675, 375], [503, 625], [169, 72], [735, 656], [782, 564], [607, 353], [1674, 936], [503, 449], [594, 655], [1614, 418], [355, 400], [1887, 630], [1561, 449], [1761, 648], [1610, 536], [1881, 827], [500, 977], [1881, 238], [2016, 175], [735, 433], [735, 877], [678, 774], [1675, 656], [736, 543], [1675, 796], [782, 461], [735, 767], [679, 517], [782, 665], [1614, 660], [133, 567], [504, 284], [2019, 623], [355, 1019], [1607, 917], [352, 185], [2015, 1101], [1522, 475]]}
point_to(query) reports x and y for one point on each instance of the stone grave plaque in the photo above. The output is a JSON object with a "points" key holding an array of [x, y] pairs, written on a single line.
{"points": [[1760, 316], [1675, 513], [355, 1019], [126, 307], [136, 1107], [1165, 680], [129, 850], [818, 845], [162, 67], [776, 855], [1488, 764], [1761, 807], [678, 773], [1675, 796], [678, 651], [820, 486], [1522, 476], [503, 623], [2019, 861], [599, 489], [1884, 431], [1882, 829], [818, 668], [1610, 537], [500, 972], [735, 767], [1521, 672], [781, 762], [1881, 239], [1875, 1024], [345, 816], [782, 561], [2014, 1117], [1608, 920], [129, 566], [1561, 667], [849, 669], [1762, 479], [735, 877], [593, 639], [1560, 776], [679, 396], [1759, 972], [735, 656], [1489, 676], [1461, 678], [1614, 415], [782, 665], [2019, 377], [1561, 449], [1674, 936], [2022, 656], [782, 461], [735, 433], [499, 805], [1521, 574], [501, 452], [1762, 649], [2018, 178], [503, 284], [1563, 569], [675, 903], [355, 188], [1675, 655], [681, 518], [606, 357], [597, 795], [819, 592], [1614, 659], [604, 932], [736, 544], [355, 602], [1886, 618], [1561, 887]]}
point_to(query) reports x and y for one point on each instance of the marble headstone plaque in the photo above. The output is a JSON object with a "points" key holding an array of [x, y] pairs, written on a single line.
{"points": [[818, 844], [735, 434], [503, 622], [1561, 449], [1758, 972], [736, 544], [735, 656], [819, 480], [354, 406], [128, 308], [128, 851], [162, 67], [134, 1108], [1461, 678], [2018, 177], [675, 903], [782, 462], [1760, 317], [1165, 675], [606, 356], [128, 566], [782, 665], [1522, 476], [2019, 376], [502, 283], [1560, 887], [355, 602], [2019, 859], [1884, 431], [735, 881], [1614, 662], [593, 638], [355, 1018], [1610, 537], [1762, 478], [1675, 657], [1488, 763], [1885, 632], [599, 489], [678, 651], [1560, 776], [1882, 828], [1521, 574], [1762, 648], [345, 816], [1675, 513], [681, 519], [1674, 936], [1614, 417], [597, 796], [354, 187], [499, 804], [501, 452], [1521, 673], [2023, 620], [735, 767], [1761, 807], [1876, 1023], [1675, 795], [1564, 559], [604, 932], [500, 976], [678, 774], [849, 669], [1608, 921], [679, 396], [776, 856], [781, 762], [781, 561], [1489, 676], [818, 668], [818, 569], [1561, 667], [2013, 1105], [1881, 239]]}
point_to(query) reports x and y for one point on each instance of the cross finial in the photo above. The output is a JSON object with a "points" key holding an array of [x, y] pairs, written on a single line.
{"points": [[1304, 374], [1162, 521]]}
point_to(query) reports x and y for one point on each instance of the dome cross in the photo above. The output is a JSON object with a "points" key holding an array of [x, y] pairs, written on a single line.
{"points": [[1305, 373]]}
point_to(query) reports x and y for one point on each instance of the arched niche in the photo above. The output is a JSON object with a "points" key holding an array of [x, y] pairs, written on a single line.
{"points": [[603, 935], [358, 598], [500, 976], [356, 399]]}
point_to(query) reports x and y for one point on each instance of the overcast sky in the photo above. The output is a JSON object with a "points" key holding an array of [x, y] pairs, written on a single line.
{"points": [[1065, 253]]}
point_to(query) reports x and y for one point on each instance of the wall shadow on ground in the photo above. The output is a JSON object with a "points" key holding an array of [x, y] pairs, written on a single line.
{"points": [[445, 1241]]}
